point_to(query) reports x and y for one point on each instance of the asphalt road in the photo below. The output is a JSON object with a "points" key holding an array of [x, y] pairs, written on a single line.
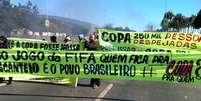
{"points": [[109, 91]]}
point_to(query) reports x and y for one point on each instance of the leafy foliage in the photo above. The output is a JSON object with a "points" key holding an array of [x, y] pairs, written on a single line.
{"points": [[16, 16], [197, 21], [110, 26], [176, 22]]}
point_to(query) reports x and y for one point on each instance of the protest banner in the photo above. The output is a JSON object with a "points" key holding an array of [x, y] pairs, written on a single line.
{"points": [[23, 43], [153, 66], [35, 44], [149, 41]]}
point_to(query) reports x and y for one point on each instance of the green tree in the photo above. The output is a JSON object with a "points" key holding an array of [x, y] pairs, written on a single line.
{"points": [[197, 21], [6, 19], [15, 16], [127, 29], [189, 22], [108, 26], [169, 15], [119, 28], [165, 24], [29, 5], [5, 4], [178, 22]]}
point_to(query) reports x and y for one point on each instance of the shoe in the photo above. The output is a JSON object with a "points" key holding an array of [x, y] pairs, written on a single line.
{"points": [[9, 83], [2, 79], [94, 86]]}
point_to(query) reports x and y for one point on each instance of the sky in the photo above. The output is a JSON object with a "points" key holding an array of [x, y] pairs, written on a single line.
{"points": [[135, 14]]}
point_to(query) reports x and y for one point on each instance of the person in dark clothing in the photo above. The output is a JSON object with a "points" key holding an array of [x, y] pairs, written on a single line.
{"points": [[53, 39], [9, 80], [93, 45], [4, 45]]}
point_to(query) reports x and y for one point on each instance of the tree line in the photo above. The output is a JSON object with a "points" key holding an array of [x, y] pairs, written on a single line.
{"points": [[110, 26], [16, 16], [178, 22]]}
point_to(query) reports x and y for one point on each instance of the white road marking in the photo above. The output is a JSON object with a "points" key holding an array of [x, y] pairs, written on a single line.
{"points": [[104, 92], [2, 84]]}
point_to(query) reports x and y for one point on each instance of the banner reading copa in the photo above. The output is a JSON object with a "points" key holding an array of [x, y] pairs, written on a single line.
{"points": [[149, 41], [154, 66]]}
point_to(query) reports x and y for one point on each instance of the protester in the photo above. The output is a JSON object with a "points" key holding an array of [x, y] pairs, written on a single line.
{"points": [[4, 44], [81, 38], [53, 39], [67, 39], [74, 80], [93, 45]]}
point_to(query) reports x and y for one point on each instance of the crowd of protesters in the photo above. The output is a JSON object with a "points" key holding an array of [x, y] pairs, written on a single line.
{"points": [[89, 42]]}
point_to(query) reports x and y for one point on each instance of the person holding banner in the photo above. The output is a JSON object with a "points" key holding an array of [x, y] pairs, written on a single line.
{"points": [[93, 45], [67, 39], [74, 80], [4, 45], [53, 39]]}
